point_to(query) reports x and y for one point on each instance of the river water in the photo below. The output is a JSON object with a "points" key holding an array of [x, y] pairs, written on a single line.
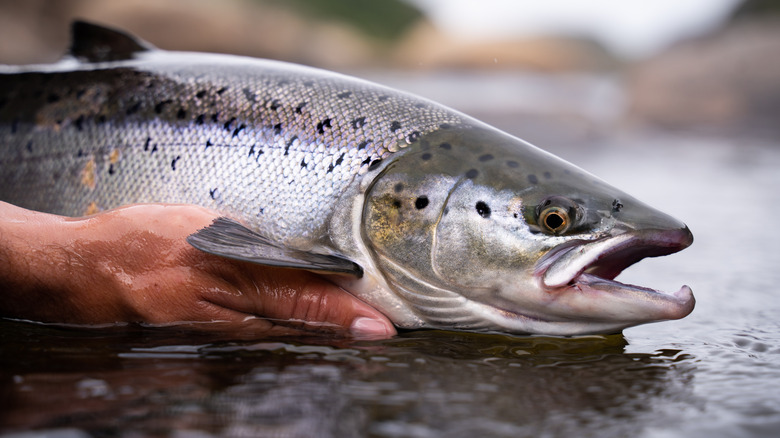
{"points": [[715, 373]]}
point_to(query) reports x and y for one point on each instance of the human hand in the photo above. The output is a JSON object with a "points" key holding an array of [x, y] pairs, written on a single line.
{"points": [[132, 264]]}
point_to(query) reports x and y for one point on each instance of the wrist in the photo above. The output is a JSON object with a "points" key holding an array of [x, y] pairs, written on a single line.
{"points": [[44, 275]]}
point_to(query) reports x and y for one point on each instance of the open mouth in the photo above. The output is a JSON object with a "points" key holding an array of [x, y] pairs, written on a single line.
{"points": [[593, 265]]}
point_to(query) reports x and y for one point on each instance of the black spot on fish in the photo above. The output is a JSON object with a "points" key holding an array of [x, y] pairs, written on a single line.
{"points": [[445, 146], [200, 94], [617, 205], [221, 90], [181, 114], [374, 164], [395, 126], [299, 107], [547, 175], [161, 106], [238, 130], [322, 125], [472, 173], [79, 122], [213, 193], [215, 117], [80, 153], [227, 124], [133, 109], [289, 143], [330, 168], [366, 161], [173, 163], [340, 159], [513, 164], [426, 156], [303, 162], [29, 146], [261, 210], [201, 119], [363, 144], [111, 169], [421, 202], [412, 137], [154, 148], [251, 150], [146, 145], [209, 143], [396, 203], [249, 94], [399, 187], [533, 179], [383, 98], [358, 123], [483, 209], [277, 129], [275, 105], [344, 95], [486, 157]]}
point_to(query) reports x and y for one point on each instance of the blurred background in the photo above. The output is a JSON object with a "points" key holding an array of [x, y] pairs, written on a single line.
{"points": [[527, 66], [674, 101]]}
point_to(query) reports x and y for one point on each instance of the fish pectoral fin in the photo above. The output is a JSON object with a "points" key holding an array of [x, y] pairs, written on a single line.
{"points": [[228, 238], [94, 43]]}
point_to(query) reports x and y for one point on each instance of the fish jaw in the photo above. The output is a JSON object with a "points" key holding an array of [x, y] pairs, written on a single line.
{"points": [[579, 278]]}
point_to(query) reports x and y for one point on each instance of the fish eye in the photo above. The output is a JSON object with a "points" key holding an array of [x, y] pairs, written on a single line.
{"points": [[557, 214], [554, 219]]}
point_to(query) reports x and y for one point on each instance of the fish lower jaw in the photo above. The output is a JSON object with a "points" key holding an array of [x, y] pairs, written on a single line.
{"points": [[595, 298], [652, 303], [591, 281]]}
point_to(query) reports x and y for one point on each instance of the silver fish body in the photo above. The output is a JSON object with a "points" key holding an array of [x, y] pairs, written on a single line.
{"points": [[449, 222]]}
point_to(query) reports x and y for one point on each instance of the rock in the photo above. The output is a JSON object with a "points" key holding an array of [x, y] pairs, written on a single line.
{"points": [[726, 81], [427, 47]]}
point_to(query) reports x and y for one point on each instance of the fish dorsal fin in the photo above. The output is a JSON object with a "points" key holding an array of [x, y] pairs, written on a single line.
{"points": [[94, 43], [228, 238]]}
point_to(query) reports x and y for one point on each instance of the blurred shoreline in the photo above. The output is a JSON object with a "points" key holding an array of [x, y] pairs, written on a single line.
{"points": [[724, 83]]}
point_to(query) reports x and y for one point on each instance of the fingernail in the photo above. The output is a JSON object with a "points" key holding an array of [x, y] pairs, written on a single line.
{"points": [[370, 327]]}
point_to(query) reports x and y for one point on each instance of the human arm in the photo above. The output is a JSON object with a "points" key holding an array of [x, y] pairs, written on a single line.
{"points": [[132, 264]]}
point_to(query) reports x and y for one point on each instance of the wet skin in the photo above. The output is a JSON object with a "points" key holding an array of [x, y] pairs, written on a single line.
{"points": [[132, 264]]}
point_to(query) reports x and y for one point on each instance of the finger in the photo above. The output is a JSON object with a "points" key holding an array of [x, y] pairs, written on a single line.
{"points": [[301, 299]]}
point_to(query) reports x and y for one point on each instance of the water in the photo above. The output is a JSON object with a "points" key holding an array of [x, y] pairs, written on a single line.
{"points": [[715, 373]]}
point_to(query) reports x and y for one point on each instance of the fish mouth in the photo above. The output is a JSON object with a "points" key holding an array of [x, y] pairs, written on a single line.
{"points": [[589, 268]]}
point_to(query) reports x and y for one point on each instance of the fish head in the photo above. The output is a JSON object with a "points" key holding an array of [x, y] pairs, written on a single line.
{"points": [[475, 229]]}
